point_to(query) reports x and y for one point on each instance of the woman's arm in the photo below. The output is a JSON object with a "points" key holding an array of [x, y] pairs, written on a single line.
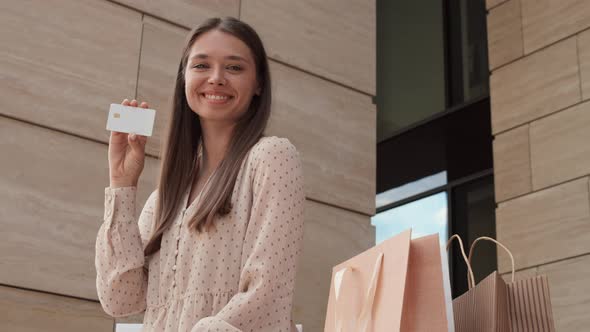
{"points": [[121, 282], [272, 246]]}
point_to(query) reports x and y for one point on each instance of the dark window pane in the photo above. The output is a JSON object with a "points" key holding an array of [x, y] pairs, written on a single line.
{"points": [[473, 215], [410, 63], [467, 50], [459, 143]]}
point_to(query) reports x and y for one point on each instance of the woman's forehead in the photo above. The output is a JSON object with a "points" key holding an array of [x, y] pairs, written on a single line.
{"points": [[220, 45]]}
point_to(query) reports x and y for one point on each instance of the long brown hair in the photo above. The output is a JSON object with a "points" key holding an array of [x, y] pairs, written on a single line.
{"points": [[180, 157]]}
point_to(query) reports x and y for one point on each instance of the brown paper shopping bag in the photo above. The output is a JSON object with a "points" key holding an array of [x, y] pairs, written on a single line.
{"points": [[394, 286], [484, 306], [528, 300]]}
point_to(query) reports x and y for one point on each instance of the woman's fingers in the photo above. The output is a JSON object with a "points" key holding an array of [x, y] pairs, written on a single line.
{"points": [[135, 103]]}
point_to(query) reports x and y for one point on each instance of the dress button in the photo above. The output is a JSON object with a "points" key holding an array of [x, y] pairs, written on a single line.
{"points": [[178, 238], [174, 268], [176, 252]]}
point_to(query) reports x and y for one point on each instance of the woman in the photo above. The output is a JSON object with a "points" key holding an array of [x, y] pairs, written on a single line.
{"points": [[216, 245]]}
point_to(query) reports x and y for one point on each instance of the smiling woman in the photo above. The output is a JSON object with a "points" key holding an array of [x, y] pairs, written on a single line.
{"points": [[221, 73], [217, 244]]}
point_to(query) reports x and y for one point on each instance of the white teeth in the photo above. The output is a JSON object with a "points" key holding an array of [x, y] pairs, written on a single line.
{"points": [[216, 97]]}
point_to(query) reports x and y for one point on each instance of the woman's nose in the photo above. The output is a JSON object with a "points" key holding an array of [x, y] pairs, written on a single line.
{"points": [[217, 77]]}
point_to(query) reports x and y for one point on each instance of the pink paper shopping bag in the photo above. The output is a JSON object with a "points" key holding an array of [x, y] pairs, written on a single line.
{"points": [[394, 286]]}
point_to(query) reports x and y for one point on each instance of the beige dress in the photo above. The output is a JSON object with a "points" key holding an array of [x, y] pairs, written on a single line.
{"points": [[239, 277]]}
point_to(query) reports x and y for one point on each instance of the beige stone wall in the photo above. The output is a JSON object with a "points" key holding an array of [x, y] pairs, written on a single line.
{"points": [[62, 64], [539, 54]]}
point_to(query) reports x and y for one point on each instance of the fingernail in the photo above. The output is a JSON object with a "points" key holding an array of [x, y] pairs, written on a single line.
{"points": [[133, 137]]}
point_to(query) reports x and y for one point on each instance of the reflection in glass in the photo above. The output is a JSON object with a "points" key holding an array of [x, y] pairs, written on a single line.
{"points": [[410, 189], [468, 51], [425, 216]]}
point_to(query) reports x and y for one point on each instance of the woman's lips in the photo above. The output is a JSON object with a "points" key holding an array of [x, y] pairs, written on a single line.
{"points": [[216, 101]]}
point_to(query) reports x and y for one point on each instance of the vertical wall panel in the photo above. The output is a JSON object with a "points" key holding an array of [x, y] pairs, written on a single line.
{"points": [[547, 229], [330, 38], [504, 33], [535, 86], [569, 284], [545, 226], [52, 194], [512, 165], [64, 62], [560, 146], [186, 13], [547, 21], [334, 128]]}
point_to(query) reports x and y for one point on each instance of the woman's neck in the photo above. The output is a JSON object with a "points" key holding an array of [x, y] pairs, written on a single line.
{"points": [[215, 144]]}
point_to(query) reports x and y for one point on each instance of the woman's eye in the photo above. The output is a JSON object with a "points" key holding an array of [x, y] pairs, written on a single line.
{"points": [[234, 67]]}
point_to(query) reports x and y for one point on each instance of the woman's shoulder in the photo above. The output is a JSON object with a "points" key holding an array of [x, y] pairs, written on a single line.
{"points": [[273, 146]]}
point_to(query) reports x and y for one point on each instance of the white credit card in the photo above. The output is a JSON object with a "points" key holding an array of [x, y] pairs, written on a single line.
{"points": [[129, 119]]}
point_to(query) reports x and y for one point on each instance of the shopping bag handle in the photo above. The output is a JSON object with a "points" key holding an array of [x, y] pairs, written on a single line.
{"points": [[365, 315], [470, 278], [496, 242]]}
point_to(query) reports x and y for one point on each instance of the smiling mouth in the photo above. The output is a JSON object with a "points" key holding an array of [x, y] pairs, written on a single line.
{"points": [[216, 99]]}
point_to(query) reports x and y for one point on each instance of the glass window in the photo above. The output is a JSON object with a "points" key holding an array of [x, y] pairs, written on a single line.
{"points": [[410, 63], [425, 216], [410, 189], [473, 215], [431, 57], [468, 50], [434, 148], [458, 145]]}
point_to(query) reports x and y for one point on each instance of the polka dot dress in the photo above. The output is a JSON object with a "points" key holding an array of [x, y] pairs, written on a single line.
{"points": [[237, 277]]}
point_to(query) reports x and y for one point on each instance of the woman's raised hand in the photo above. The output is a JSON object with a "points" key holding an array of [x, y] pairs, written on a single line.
{"points": [[126, 155]]}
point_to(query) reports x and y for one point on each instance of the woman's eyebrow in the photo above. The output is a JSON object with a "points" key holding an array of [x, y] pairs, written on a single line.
{"points": [[228, 57]]}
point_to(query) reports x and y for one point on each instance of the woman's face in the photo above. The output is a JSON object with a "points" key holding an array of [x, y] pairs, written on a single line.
{"points": [[220, 66]]}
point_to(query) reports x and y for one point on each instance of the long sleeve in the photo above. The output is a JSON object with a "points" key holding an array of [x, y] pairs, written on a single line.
{"points": [[121, 282], [272, 246]]}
